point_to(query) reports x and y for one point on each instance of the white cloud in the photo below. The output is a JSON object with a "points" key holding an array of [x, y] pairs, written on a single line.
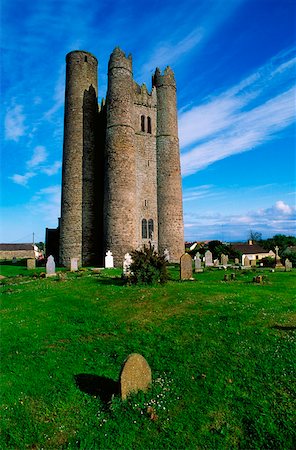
{"points": [[283, 207], [241, 118], [53, 169], [46, 202], [39, 156], [15, 123], [22, 179]]}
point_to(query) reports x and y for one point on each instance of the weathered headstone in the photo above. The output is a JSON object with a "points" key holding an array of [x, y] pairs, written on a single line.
{"points": [[126, 265], [50, 267], [186, 267], [74, 264], [216, 262], [246, 261], [31, 263], [253, 262], [208, 258], [236, 261], [197, 264], [224, 260], [288, 265], [135, 375], [166, 255], [109, 264]]}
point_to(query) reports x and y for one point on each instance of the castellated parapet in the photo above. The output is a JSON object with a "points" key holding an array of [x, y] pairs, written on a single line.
{"points": [[121, 185]]}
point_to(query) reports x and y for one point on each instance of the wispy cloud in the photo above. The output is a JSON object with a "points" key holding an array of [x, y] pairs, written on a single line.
{"points": [[46, 203], [22, 180], [38, 157], [53, 169], [15, 123], [240, 119]]}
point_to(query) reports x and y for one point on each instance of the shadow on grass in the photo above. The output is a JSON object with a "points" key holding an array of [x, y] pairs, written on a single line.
{"points": [[111, 281], [102, 387], [284, 327]]}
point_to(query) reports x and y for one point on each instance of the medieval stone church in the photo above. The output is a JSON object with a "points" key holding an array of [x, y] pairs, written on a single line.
{"points": [[121, 180]]}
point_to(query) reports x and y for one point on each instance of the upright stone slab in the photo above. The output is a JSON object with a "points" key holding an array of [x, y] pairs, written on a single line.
{"points": [[246, 262], [50, 267], [253, 262], [208, 258], [126, 265], [224, 260], [186, 267], [216, 262], [74, 264], [31, 263], [236, 261], [288, 265], [109, 264], [166, 255], [197, 264], [135, 375]]}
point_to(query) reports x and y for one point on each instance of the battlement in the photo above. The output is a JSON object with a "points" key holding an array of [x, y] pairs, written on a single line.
{"points": [[143, 97], [165, 79], [118, 59]]}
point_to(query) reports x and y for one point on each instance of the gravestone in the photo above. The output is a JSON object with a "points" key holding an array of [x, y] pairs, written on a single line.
{"points": [[186, 267], [109, 264], [232, 276], [277, 258], [50, 267], [31, 263], [224, 260], [166, 255], [246, 262], [208, 258], [253, 262], [288, 265], [216, 262], [74, 264], [135, 375], [236, 261], [126, 265], [197, 264]]}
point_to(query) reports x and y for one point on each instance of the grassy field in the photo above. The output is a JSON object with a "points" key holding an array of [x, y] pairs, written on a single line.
{"points": [[222, 355]]}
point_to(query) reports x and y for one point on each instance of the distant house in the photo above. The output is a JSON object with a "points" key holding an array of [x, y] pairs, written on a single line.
{"points": [[252, 250], [19, 251]]}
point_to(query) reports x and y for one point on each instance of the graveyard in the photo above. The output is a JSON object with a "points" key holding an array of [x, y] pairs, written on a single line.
{"points": [[220, 346]]}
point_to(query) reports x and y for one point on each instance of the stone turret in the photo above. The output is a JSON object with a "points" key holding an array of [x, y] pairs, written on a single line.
{"points": [[120, 159], [79, 213], [169, 190]]}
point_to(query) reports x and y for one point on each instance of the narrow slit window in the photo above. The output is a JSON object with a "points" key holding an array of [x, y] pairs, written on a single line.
{"points": [[142, 123], [144, 229], [150, 228], [85, 59], [149, 124]]}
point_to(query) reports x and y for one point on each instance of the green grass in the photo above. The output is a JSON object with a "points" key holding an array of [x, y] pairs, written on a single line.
{"points": [[222, 356]]}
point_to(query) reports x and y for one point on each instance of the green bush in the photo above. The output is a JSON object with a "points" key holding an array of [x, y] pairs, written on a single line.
{"points": [[148, 267], [268, 261]]}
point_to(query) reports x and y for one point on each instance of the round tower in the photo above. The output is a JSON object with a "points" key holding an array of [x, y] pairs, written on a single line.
{"points": [[120, 160], [79, 193], [169, 188]]}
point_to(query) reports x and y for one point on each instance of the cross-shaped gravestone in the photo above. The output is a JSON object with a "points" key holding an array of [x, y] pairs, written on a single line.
{"points": [[109, 264]]}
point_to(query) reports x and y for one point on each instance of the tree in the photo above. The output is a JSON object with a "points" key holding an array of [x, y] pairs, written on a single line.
{"points": [[255, 236]]}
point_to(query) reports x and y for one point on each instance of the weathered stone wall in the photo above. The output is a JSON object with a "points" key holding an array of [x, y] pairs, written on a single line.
{"points": [[120, 212], [79, 195], [146, 173], [169, 189], [20, 254]]}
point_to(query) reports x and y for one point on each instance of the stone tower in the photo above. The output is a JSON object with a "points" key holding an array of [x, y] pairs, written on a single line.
{"points": [[79, 207], [121, 186], [169, 189]]}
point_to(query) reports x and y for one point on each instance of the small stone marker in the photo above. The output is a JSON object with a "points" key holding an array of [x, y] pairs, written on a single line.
{"points": [[232, 276], [258, 279], [50, 267], [31, 263], [109, 264], [253, 262], [74, 264], [197, 264], [126, 265], [135, 375], [208, 258], [216, 262], [246, 261], [288, 265], [186, 267], [236, 261], [166, 255]]}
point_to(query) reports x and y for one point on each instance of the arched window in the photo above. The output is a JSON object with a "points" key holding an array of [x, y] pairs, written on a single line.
{"points": [[149, 124], [144, 229], [142, 123], [150, 228]]}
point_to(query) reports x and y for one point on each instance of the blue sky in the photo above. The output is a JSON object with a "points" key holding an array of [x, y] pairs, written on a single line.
{"points": [[234, 62]]}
